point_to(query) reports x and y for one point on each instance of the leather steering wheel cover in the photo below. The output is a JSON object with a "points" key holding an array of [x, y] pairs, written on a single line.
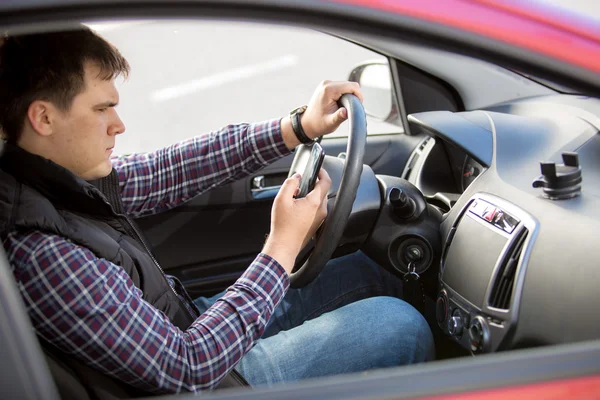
{"points": [[333, 227]]}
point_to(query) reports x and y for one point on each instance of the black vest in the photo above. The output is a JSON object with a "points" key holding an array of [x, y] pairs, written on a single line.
{"points": [[38, 194]]}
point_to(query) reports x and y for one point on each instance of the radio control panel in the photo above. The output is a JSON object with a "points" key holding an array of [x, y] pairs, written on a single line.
{"points": [[482, 270]]}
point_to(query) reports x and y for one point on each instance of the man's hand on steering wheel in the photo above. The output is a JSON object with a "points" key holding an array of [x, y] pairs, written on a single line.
{"points": [[323, 114], [295, 221]]}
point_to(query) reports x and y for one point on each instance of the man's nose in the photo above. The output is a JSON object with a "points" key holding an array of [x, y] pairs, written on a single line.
{"points": [[117, 127]]}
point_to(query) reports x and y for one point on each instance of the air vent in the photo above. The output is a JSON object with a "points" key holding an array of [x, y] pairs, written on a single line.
{"points": [[414, 157], [505, 279]]}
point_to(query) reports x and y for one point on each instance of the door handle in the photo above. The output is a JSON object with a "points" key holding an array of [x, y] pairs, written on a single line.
{"points": [[260, 191]]}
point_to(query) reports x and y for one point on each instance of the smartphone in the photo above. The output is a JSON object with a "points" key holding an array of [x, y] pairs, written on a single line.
{"points": [[311, 169]]}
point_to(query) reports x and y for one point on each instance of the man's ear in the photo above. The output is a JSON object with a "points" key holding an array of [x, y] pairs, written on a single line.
{"points": [[41, 115]]}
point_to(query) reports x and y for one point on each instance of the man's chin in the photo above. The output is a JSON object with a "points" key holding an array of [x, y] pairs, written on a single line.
{"points": [[99, 172]]}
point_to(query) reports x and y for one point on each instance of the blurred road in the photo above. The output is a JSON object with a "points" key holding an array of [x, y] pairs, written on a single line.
{"points": [[188, 78]]}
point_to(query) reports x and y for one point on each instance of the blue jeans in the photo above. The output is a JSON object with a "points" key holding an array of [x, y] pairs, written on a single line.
{"points": [[349, 319]]}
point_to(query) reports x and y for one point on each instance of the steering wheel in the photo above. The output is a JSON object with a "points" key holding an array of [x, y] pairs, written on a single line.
{"points": [[342, 195]]}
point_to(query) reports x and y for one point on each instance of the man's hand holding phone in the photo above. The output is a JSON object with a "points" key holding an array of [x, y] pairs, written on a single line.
{"points": [[295, 220], [312, 166]]}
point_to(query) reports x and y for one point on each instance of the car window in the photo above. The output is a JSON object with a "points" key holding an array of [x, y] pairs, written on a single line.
{"points": [[191, 77]]}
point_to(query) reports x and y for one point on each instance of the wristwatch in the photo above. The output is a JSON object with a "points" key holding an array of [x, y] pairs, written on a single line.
{"points": [[297, 126]]}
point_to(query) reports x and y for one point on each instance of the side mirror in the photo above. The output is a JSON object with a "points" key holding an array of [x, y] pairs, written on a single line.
{"points": [[375, 80]]}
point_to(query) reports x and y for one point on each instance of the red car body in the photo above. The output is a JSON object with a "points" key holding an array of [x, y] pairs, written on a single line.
{"points": [[540, 28]]}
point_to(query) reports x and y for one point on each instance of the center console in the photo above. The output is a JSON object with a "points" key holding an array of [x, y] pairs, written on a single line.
{"points": [[483, 265]]}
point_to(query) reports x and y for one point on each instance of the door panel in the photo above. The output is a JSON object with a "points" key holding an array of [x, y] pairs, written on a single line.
{"points": [[211, 240]]}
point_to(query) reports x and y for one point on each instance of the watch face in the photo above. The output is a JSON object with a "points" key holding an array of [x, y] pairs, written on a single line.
{"points": [[299, 110]]}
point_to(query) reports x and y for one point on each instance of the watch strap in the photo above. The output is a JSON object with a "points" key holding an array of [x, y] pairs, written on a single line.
{"points": [[295, 116]]}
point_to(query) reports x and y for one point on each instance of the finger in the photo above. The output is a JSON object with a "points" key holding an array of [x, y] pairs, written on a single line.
{"points": [[321, 187], [340, 88], [340, 116], [356, 90], [290, 186], [324, 176]]}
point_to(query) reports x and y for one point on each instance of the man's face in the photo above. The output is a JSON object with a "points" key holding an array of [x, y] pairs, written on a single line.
{"points": [[85, 135]]}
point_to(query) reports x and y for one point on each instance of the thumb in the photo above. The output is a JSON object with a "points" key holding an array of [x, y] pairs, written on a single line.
{"points": [[290, 186], [340, 116]]}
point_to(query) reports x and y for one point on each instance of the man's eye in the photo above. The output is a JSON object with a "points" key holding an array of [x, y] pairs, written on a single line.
{"points": [[102, 109]]}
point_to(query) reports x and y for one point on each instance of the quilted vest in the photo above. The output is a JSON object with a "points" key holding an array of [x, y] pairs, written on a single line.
{"points": [[38, 194]]}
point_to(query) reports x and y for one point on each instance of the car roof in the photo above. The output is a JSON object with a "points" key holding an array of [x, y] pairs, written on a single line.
{"points": [[538, 26], [541, 27]]}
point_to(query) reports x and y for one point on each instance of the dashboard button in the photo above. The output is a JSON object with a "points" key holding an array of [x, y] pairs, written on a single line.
{"points": [[441, 308], [455, 326], [478, 335]]}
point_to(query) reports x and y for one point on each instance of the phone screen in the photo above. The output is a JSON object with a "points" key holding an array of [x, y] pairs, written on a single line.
{"points": [[311, 170]]}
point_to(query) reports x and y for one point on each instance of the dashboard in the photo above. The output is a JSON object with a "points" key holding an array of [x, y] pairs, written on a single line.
{"points": [[445, 168], [470, 170], [518, 185]]}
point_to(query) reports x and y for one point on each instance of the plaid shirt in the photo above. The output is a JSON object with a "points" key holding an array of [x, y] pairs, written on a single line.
{"points": [[89, 307]]}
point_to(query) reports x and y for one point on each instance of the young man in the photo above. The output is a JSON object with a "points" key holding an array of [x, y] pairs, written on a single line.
{"points": [[91, 285]]}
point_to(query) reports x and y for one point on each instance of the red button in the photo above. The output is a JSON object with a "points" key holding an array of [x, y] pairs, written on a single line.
{"points": [[489, 214]]}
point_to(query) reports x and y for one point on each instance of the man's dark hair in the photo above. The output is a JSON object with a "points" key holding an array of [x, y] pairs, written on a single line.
{"points": [[50, 67]]}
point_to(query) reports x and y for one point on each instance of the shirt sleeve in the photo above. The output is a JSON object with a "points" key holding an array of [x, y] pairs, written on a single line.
{"points": [[158, 181], [90, 308]]}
